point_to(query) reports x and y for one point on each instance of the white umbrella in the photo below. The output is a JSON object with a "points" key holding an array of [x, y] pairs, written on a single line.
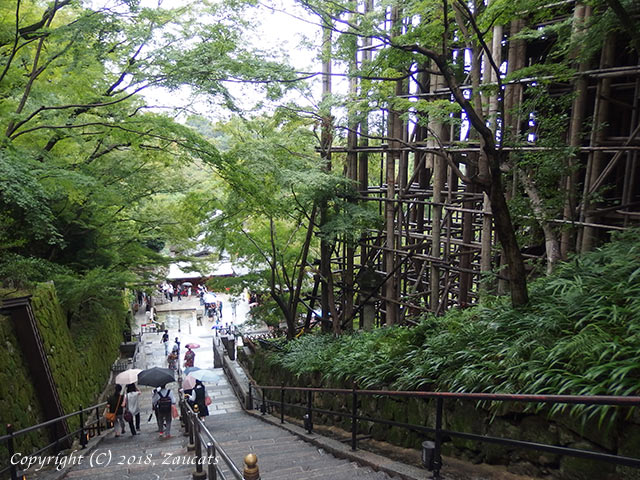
{"points": [[188, 382], [128, 376], [205, 375], [209, 297]]}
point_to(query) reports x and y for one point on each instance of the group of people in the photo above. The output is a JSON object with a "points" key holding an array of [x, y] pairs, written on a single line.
{"points": [[212, 306], [163, 403], [173, 356], [169, 291], [126, 407], [125, 404]]}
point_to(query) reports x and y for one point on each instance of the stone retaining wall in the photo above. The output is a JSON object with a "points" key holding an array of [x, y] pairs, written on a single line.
{"points": [[80, 360]]}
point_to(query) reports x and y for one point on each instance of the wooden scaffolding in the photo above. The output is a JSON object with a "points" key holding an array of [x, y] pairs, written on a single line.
{"points": [[437, 248]]}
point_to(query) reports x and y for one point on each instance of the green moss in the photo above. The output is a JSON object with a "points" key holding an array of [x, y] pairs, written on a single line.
{"points": [[573, 468], [629, 446], [80, 360]]}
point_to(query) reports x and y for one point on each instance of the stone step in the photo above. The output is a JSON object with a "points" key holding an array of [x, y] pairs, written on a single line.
{"points": [[281, 455]]}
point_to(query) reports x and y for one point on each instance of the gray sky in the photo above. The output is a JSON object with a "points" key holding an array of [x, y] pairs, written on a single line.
{"points": [[281, 27]]}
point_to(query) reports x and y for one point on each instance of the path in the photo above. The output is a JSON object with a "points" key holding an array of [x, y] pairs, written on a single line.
{"points": [[281, 455], [146, 456]]}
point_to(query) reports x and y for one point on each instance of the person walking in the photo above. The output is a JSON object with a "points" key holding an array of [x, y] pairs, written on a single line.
{"points": [[132, 405], [115, 402], [165, 340], [234, 307], [164, 405], [199, 396], [154, 407], [189, 357], [172, 358]]}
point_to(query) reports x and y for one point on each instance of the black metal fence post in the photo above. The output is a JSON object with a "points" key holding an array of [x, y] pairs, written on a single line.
{"points": [[282, 404], [83, 437], [309, 420], [354, 419], [250, 401], [98, 426], [199, 473], [212, 472], [190, 426], [12, 451], [437, 460]]}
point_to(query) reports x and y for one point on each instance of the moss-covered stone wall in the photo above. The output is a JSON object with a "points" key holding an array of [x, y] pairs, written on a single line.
{"points": [[511, 421], [80, 358]]}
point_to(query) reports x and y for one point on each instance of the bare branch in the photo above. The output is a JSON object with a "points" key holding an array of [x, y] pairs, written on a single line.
{"points": [[49, 13]]}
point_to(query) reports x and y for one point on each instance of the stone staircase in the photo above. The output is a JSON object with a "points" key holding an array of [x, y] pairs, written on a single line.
{"points": [[281, 455], [142, 456], [145, 456]]}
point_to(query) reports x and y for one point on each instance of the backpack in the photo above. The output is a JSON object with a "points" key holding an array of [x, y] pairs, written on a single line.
{"points": [[164, 404]]}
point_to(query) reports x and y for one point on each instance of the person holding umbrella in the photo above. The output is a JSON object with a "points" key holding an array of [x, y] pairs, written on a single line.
{"points": [[159, 377], [132, 406], [189, 357], [199, 396]]}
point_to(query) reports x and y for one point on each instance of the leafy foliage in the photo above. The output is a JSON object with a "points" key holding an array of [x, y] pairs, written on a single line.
{"points": [[91, 184], [579, 336]]}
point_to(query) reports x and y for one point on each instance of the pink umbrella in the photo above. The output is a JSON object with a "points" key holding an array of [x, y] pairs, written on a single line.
{"points": [[188, 382], [128, 376], [192, 345]]}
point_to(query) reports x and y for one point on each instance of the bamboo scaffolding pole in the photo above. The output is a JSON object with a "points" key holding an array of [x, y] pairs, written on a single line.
{"points": [[438, 235], [594, 163]]}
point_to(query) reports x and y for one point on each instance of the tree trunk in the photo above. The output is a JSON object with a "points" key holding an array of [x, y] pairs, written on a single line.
{"points": [[288, 315], [507, 237], [326, 140], [551, 242]]}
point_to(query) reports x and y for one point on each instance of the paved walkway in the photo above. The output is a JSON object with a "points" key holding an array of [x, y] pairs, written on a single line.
{"points": [[146, 456], [285, 452], [281, 455]]}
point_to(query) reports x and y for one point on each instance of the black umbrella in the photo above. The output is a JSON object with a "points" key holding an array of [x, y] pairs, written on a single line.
{"points": [[156, 376]]}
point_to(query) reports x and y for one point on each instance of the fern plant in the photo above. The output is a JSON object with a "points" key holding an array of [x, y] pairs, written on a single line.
{"points": [[579, 335]]}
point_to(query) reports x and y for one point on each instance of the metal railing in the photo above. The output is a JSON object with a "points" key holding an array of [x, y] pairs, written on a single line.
{"points": [[208, 451], [87, 430], [433, 460]]}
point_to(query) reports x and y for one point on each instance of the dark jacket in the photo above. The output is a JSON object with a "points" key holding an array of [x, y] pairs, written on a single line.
{"points": [[200, 393], [114, 402]]}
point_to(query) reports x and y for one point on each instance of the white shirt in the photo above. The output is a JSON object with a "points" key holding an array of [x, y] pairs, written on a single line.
{"points": [[132, 402]]}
